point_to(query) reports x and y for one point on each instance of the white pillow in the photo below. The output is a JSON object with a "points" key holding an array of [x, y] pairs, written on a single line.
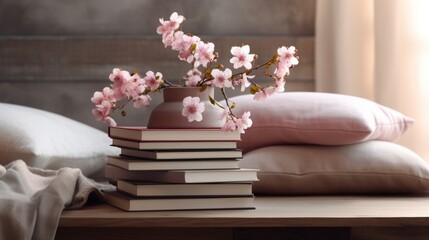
{"points": [[50, 141]]}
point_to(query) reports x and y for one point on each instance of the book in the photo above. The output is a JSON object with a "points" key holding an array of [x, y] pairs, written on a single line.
{"points": [[173, 145], [183, 176], [129, 203], [182, 154], [134, 164], [152, 189], [146, 134]]}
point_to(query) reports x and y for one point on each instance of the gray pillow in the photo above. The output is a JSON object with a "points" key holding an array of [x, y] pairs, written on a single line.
{"points": [[369, 167]]}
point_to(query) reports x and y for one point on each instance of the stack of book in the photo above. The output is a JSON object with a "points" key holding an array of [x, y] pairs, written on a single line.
{"points": [[178, 169]]}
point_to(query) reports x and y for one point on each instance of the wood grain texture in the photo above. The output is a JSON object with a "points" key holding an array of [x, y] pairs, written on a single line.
{"points": [[88, 233], [304, 233], [309, 211], [93, 58], [389, 233], [140, 17]]}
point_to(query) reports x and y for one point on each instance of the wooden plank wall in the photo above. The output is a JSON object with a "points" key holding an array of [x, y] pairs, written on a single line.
{"points": [[55, 54]]}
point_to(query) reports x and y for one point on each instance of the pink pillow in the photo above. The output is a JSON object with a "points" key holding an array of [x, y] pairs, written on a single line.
{"points": [[317, 118]]}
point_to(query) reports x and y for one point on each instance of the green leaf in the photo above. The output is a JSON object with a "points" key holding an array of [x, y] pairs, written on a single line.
{"points": [[254, 89], [274, 59], [212, 100], [207, 74], [233, 105], [203, 88], [193, 47]]}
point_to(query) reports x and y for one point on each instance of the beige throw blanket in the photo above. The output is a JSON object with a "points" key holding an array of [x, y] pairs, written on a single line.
{"points": [[32, 199]]}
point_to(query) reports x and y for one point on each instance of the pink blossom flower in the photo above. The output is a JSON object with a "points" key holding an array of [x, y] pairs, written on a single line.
{"points": [[152, 81], [280, 86], [229, 126], [104, 107], [110, 121], [244, 122], [286, 56], [104, 102], [221, 78], [244, 82], [97, 114], [137, 79], [106, 94], [232, 123], [178, 44], [142, 100], [133, 87], [97, 98], [241, 57], [183, 44], [102, 118], [139, 84], [281, 70], [193, 108], [270, 90], [119, 75], [264, 93], [192, 78], [286, 61], [101, 112], [260, 95], [138, 90], [119, 78], [178, 39], [127, 89], [167, 27], [168, 39], [204, 54]]}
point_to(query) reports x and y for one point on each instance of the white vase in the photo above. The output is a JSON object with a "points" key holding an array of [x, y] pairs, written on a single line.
{"points": [[168, 114]]}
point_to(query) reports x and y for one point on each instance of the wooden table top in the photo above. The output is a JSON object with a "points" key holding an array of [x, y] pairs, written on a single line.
{"points": [[286, 211]]}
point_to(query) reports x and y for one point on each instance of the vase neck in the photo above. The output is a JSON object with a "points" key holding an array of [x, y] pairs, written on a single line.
{"points": [[174, 94]]}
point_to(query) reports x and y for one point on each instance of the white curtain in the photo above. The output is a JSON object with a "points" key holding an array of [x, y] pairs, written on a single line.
{"points": [[379, 50]]}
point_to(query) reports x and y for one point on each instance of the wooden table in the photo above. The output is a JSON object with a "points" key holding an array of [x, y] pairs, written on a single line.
{"points": [[303, 217]]}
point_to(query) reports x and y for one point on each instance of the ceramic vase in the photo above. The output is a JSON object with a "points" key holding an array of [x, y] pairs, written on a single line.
{"points": [[168, 114]]}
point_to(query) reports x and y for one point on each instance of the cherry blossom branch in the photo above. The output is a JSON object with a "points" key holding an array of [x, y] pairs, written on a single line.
{"points": [[227, 102], [253, 68], [191, 49]]}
